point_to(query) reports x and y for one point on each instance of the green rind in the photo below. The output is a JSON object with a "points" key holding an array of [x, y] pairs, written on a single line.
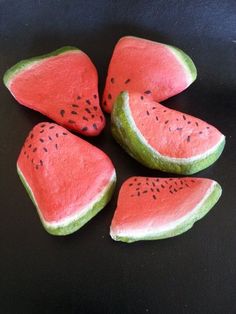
{"points": [[76, 224], [23, 64], [129, 140], [188, 62], [182, 227]]}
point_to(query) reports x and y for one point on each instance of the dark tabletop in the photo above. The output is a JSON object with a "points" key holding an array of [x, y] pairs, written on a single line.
{"points": [[87, 272]]}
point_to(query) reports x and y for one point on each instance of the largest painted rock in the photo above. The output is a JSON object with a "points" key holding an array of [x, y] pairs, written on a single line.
{"points": [[68, 179], [61, 85], [157, 70]]}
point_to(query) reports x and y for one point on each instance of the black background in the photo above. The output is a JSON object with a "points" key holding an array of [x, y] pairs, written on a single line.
{"points": [[87, 272]]}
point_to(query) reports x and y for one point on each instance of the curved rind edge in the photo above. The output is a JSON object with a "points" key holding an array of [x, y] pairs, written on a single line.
{"points": [[208, 204], [132, 144], [23, 64], [76, 224], [187, 62]]}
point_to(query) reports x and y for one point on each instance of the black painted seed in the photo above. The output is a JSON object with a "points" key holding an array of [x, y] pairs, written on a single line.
{"points": [[139, 184], [95, 108], [84, 128], [156, 118], [200, 132], [171, 179], [41, 162], [42, 131], [157, 180], [52, 127], [166, 121], [78, 98], [141, 97], [88, 102], [74, 112], [181, 182], [95, 126], [147, 179], [181, 188], [95, 96], [41, 140], [147, 183], [186, 185], [64, 133], [130, 184], [104, 103], [137, 189], [176, 183], [109, 96], [175, 190], [88, 111], [37, 167], [164, 110], [31, 136], [196, 123], [166, 182], [135, 179], [179, 129], [45, 149], [157, 190], [170, 186], [193, 180], [32, 160], [154, 196], [84, 118], [188, 139], [56, 146], [152, 189], [57, 135], [112, 80], [145, 191], [62, 112], [132, 195], [75, 106], [162, 186], [184, 117], [92, 116], [50, 138], [147, 112], [171, 192], [42, 125], [153, 184], [208, 127], [177, 119], [147, 92], [71, 121], [24, 152], [153, 108], [101, 118], [30, 145], [189, 122], [138, 193], [127, 81]]}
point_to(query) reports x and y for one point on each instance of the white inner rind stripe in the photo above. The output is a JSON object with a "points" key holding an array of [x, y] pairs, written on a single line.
{"points": [[184, 160], [66, 221], [183, 64], [158, 231]]}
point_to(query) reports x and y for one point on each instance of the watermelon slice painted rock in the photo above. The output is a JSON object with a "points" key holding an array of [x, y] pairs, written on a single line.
{"points": [[158, 208], [68, 179], [162, 138], [157, 70], [61, 85]]}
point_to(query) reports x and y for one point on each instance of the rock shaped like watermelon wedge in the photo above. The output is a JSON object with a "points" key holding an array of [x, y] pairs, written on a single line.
{"points": [[162, 138], [158, 208], [68, 179], [157, 70], [61, 85]]}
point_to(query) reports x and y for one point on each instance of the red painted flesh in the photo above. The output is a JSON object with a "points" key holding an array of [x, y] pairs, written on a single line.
{"points": [[170, 132], [65, 173], [140, 65], [143, 211], [64, 82]]}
